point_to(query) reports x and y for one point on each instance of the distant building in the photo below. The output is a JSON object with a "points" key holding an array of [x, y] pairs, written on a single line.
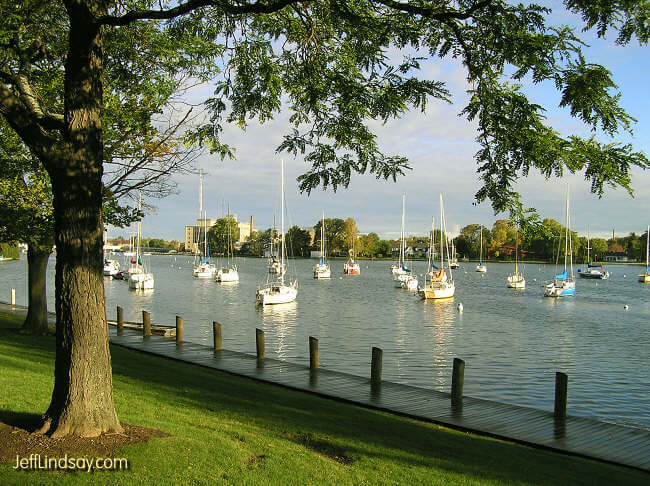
{"points": [[194, 235]]}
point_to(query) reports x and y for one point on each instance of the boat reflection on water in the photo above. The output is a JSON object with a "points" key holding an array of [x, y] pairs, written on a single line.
{"points": [[279, 313]]}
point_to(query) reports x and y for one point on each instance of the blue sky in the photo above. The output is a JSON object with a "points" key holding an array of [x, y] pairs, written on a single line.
{"points": [[440, 146]]}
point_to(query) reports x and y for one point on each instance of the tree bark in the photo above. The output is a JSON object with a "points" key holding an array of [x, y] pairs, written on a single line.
{"points": [[82, 399], [36, 320]]}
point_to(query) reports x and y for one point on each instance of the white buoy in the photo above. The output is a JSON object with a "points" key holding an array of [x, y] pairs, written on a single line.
{"points": [[340, 278], [626, 307], [460, 307], [624, 276]]}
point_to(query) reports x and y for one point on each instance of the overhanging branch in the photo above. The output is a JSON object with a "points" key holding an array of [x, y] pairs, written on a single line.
{"points": [[259, 7]]}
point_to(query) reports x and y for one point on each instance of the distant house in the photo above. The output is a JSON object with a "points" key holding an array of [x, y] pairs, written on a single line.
{"points": [[618, 256]]}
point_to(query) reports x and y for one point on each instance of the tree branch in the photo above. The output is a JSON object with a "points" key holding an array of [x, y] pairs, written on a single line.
{"points": [[435, 13], [259, 7], [26, 124]]}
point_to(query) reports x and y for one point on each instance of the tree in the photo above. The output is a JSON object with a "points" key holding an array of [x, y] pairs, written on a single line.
{"points": [[223, 232], [298, 241], [350, 235], [598, 249], [26, 215], [369, 245], [334, 235], [330, 59], [384, 248]]}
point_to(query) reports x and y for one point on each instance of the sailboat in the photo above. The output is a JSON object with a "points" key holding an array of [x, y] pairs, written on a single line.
{"points": [[645, 277], [480, 267], [139, 278], [516, 280], [203, 268], [592, 271], [453, 261], [351, 267], [111, 267], [278, 292], [322, 268], [440, 285], [400, 268], [228, 273], [564, 284]]}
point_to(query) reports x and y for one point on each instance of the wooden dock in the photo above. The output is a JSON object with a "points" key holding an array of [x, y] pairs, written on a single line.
{"points": [[618, 444]]}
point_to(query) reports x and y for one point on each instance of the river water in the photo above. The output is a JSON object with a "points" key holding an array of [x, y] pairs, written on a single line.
{"points": [[512, 341]]}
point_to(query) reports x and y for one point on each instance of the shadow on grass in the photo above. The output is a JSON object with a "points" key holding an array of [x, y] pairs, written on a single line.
{"points": [[22, 420]]}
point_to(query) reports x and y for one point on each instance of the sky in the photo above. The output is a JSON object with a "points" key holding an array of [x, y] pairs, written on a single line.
{"points": [[440, 147]]}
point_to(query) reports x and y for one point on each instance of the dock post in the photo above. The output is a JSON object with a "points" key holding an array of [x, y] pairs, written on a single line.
{"points": [[179, 330], [375, 365], [120, 320], [146, 324], [561, 381], [13, 297], [457, 382], [313, 353], [259, 341], [216, 334]]}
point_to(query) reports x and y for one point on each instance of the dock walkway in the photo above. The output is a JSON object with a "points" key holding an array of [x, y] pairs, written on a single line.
{"points": [[584, 437]]}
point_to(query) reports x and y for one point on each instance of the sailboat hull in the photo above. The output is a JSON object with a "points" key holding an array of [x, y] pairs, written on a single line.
{"points": [[442, 290], [560, 289], [276, 293], [141, 281], [227, 275], [644, 278], [516, 282], [322, 271]]}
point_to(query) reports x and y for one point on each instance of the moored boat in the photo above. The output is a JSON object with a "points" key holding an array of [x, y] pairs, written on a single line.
{"points": [[278, 292], [645, 277], [441, 283], [564, 284]]}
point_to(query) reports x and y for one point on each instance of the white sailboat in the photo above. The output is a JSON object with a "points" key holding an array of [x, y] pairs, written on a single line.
{"points": [[277, 292], [322, 268], [400, 268], [480, 267], [564, 284], [228, 273], [516, 280], [203, 268], [139, 277], [592, 271], [645, 277], [441, 283], [453, 261]]}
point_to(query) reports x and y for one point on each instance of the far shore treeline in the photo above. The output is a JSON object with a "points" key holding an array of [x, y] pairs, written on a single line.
{"points": [[546, 243]]}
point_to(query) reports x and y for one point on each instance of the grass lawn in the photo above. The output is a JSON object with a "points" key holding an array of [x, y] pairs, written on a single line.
{"points": [[228, 430]]}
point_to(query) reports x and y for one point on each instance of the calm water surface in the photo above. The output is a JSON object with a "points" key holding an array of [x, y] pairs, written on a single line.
{"points": [[512, 342]]}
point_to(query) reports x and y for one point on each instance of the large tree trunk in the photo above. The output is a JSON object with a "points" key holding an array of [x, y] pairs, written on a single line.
{"points": [[36, 320], [82, 400]]}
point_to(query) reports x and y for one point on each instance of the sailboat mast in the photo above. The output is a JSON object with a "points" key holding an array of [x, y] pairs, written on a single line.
{"points": [[566, 230], [282, 221], [322, 238], [401, 244], [647, 247], [137, 252], [442, 255]]}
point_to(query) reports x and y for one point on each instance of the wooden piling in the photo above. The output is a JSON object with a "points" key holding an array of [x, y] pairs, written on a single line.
{"points": [[457, 381], [313, 353], [179, 329], [146, 324], [561, 381], [120, 320], [13, 297], [259, 342], [216, 335], [375, 365]]}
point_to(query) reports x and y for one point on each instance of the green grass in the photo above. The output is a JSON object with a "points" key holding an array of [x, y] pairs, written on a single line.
{"points": [[229, 430]]}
